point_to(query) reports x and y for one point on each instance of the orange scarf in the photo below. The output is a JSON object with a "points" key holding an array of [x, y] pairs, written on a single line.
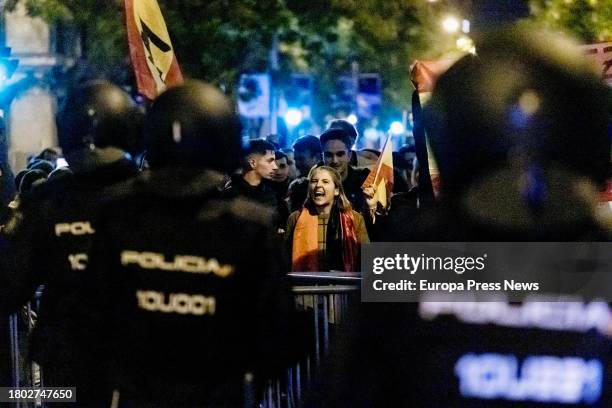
{"points": [[305, 249]]}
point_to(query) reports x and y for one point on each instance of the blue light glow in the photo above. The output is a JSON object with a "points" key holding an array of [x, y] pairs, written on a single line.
{"points": [[293, 117], [396, 128]]}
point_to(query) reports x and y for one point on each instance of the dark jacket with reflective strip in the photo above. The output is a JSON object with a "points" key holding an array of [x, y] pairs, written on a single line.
{"points": [[190, 292], [46, 243]]}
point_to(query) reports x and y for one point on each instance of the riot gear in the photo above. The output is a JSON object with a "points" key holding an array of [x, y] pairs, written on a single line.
{"points": [[98, 114], [193, 124], [528, 99], [48, 238]]}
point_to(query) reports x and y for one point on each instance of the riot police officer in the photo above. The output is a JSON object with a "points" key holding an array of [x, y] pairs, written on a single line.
{"points": [[519, 134], [49, 238], [521, 141], [191, 297]]}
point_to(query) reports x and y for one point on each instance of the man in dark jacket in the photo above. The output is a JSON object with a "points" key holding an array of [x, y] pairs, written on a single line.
{"points": [[255, 182], [336, 146], [191, 295], [259, 165]]}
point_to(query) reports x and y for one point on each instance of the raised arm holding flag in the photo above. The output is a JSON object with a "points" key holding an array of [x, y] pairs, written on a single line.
{"points": [[379, 183]]}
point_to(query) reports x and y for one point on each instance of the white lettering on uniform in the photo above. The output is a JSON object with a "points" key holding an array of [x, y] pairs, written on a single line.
{"points": [[540, 378], [180, 303], [180, 263], [75, 228], [78, 262]]}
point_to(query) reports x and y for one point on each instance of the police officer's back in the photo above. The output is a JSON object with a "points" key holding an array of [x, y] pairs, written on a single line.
{"points": [[519, 135], [191, 294], [50, 235]]}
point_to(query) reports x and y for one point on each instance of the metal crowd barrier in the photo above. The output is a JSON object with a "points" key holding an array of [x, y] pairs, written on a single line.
{"points": [[324, 297]]}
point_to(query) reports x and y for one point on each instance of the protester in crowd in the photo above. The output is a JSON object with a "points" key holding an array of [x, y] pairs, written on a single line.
{"points": [[337, 153], [326, 233], [282, 172], [273, 139], [190, 291], [297, 193], [258, 168], [293, 171], [307, 153], [259, 164], [280, 178], [347, 126], [48, 239], [47, 154], [403, 161], [352, 133], [41, 164]]}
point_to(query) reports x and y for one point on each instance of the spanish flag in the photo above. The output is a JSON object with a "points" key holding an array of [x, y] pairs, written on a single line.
{"points": [[151, 51], [381, 176]]}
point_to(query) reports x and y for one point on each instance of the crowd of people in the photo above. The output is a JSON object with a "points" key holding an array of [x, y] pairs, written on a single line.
{"points": [[165, 283]]}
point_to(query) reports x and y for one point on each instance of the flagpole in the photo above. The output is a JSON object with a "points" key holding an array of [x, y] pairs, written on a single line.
{"points": [[426, 195]]}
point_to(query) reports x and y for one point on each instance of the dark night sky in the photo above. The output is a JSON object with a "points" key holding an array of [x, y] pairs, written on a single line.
{"points": [[488, 13]]}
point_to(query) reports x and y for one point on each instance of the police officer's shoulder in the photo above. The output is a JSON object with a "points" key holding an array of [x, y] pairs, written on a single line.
{"points": [[116, 195], [122, 189], [45, 190], [239, 207]]}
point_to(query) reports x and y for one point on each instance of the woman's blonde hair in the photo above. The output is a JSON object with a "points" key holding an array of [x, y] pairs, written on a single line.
{"points": [[341, 201]]}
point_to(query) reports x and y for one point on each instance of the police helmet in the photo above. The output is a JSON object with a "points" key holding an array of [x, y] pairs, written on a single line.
{"points": [[193, 124], [529, 99], [98, 114]]}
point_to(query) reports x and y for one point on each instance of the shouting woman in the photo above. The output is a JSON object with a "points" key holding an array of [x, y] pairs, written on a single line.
{"points": [[326, 233]]}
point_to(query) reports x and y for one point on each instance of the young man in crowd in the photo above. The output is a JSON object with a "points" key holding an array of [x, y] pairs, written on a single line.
{"points": [[293, 172], [258, 169], [336, 146], [307, 154]]}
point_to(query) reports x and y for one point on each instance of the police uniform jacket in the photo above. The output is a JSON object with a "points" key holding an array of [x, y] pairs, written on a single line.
{"points": [[46, 243], [190, 291]]}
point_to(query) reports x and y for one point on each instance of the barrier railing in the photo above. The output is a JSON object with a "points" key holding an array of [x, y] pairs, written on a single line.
{"points": [[324, 297]]}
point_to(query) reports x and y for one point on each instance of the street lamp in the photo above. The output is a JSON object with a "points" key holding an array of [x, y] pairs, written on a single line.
{"points": [[397, 128], [293, 117], [451, 24]]}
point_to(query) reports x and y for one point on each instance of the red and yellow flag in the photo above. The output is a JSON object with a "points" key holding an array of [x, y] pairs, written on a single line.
{"points": [[151, 50], [381, 176]]}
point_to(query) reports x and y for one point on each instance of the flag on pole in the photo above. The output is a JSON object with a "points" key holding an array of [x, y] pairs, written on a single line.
{"points": [[424, 75], [151, 50], [381, 176]]}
